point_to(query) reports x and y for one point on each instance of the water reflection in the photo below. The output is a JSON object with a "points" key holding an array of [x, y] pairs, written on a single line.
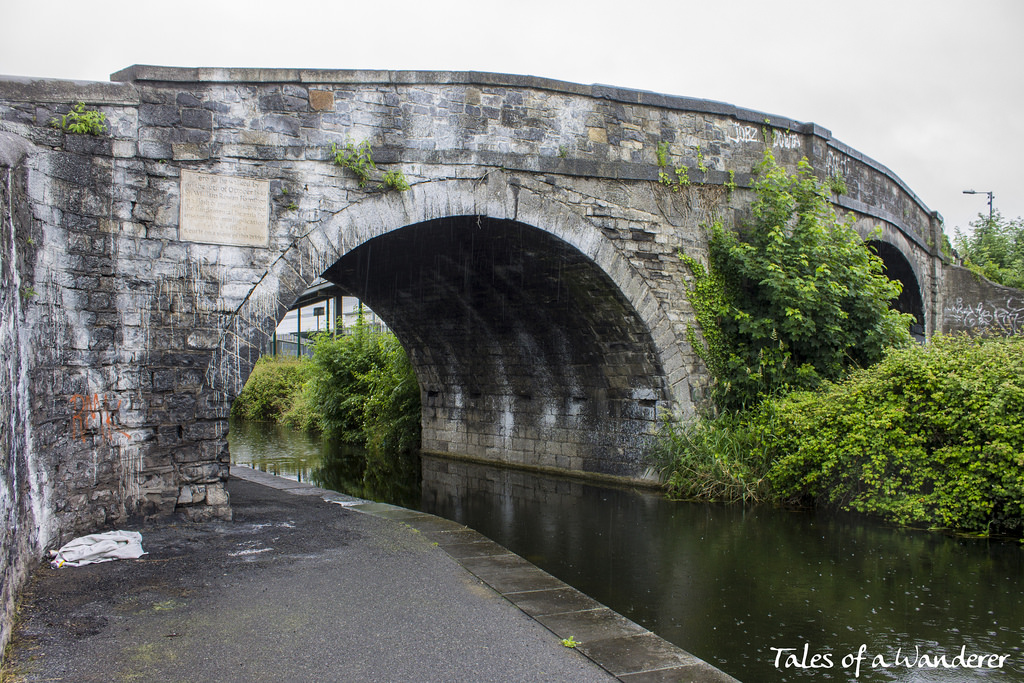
{"points": [[267, 447], [359, 473], [303, 456], [730, 584]]}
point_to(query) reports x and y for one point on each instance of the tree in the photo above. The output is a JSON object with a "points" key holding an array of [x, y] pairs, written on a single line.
{"points": [[994, 248], [796, 298]]}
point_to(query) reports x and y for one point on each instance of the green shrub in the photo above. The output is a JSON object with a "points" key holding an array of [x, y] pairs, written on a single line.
{"points": [[391, 413], [796, 298], [365, 390], [339, 386], [359, 387], [720, 460], [303, 414], [933, 435], [273, 387]]}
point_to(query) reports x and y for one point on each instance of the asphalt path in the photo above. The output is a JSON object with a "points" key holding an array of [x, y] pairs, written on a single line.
{"points": [[295, 588]]}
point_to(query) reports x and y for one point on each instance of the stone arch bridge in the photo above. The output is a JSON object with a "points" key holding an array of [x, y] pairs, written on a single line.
{"points": [[531, 269]]}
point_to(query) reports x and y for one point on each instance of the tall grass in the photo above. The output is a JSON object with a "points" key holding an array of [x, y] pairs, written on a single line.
{"points": [[722, 459]]}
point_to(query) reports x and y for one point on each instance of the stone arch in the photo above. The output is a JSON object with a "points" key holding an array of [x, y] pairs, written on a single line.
{"points": [[500, 203], [901, 258], [899, 267]]}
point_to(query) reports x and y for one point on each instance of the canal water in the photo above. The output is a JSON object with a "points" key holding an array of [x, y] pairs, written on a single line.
{"points": [[756, 592]]}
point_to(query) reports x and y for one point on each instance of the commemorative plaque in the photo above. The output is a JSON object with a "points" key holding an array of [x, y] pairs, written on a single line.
{"points": [[224, 210]]}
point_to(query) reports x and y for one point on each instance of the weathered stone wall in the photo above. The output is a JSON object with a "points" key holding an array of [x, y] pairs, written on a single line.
{"points": [[23, 532], [531, 269], [973, 304]]}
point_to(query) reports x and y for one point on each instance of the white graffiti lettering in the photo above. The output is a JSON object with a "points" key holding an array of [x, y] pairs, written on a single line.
{"points": [[836, 165], [984, 315], [738, 133], [787, 140]]}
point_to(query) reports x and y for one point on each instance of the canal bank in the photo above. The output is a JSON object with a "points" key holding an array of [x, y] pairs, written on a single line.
{"points": [[307, 584]]}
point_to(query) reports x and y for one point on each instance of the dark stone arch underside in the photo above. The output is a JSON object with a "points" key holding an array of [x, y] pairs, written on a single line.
{"points": [[897, 267], [526, 352]]}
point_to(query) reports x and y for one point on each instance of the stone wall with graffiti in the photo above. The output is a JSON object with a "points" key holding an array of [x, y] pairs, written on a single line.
{"points": [[26, 526], [974, 305]]}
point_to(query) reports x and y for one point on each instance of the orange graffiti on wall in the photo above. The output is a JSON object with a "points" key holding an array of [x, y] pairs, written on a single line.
{"points": [[95, 414]]}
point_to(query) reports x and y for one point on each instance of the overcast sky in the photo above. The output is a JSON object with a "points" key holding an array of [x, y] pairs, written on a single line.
{"points": [[930, 88]]}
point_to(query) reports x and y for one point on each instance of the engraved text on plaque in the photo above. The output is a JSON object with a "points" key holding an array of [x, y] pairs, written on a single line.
{"points": [[224, 210]]}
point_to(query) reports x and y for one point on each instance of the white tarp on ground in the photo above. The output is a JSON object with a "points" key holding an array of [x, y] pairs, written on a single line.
{"points": [[112, 545]]}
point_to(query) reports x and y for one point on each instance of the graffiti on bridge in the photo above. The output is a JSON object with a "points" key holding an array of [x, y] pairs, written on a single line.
{"points": [[982, 316], [93, 414]]}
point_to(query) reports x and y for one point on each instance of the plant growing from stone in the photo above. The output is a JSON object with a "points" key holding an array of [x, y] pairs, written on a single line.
{"points": [[395, 180], [81, 120], [701, 166], [682, 174], [662, 154], [359, 160], [356, 158], [730, 185], [837, 184]]}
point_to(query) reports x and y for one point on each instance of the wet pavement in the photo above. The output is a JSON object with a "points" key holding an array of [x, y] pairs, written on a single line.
{"points": [[311, 585]]}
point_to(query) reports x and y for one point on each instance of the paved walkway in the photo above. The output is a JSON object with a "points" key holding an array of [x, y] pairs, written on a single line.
{"points": [[310, 585]]}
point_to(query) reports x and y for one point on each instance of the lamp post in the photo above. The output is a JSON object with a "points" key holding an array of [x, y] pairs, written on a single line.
{"points": [[990, 197]]}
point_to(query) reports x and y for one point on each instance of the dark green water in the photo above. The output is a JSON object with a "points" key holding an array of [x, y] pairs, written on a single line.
{"points": [[724, 583]]}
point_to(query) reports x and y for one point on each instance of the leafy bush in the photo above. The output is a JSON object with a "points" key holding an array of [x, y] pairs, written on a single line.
{"points": [[994, 249], [272, 389], [359, 387], [391, 413], [303, 414], [365, 389], [796, 299], [933, 435]]}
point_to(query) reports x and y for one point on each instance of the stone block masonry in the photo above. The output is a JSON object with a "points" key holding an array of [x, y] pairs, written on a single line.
{"points": [[23, 502], [531, 269]]}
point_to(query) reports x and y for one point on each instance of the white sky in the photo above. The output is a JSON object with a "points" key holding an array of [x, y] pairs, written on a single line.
{"points": [[930, 88]]}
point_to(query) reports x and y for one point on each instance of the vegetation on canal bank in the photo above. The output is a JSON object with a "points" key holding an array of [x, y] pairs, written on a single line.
{"points": [[793, 299], [358, 387], [932, 436], [994, 248], [275, 386], [818, 396]]}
